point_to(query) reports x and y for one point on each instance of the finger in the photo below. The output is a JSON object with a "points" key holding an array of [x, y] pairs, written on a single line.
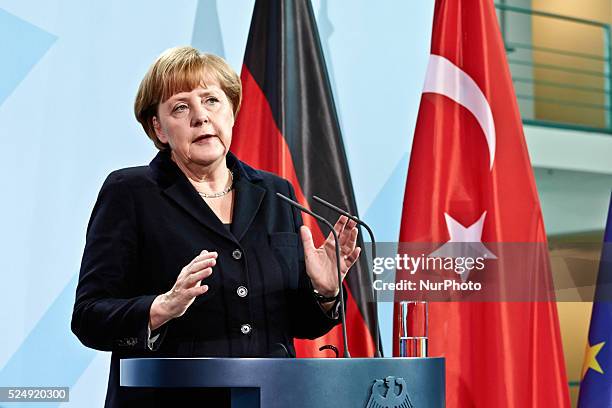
{"points": [[350, 225], [341, 224], [352, 258], [307, 240], [205, 255], [338, 227], [202, 256], [198, 266], [197, 291], [197, 257], [195, 278], [348, 239], [351, 242]]}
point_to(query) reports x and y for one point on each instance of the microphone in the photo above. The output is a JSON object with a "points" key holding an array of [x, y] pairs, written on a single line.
{"points": [[279, 350], [337, 245], [367, 227]]}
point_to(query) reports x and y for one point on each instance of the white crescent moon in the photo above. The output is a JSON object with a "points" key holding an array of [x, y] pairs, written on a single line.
{"points": [[445, 78]]}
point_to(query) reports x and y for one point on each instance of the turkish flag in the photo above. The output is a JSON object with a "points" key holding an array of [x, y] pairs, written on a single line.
{"points": [[470, 179], [288, 125]]}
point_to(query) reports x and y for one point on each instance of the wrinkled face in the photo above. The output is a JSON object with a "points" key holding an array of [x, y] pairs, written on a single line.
{"points": [[197, 124]]}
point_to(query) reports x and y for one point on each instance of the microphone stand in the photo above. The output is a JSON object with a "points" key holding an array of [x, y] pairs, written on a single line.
{"points": [[367, 227], [337, 245]]}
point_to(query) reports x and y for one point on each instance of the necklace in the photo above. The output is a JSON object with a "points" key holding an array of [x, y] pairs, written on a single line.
{"points": [[220, 193]]}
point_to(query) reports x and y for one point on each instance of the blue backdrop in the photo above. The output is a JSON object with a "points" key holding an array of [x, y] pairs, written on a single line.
{"points": [[69, 73]]}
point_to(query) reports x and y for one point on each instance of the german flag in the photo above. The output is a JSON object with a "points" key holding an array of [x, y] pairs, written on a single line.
{"points": [[288, 125]]}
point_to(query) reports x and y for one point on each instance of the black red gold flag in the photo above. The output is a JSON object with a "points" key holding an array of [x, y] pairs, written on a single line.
{"points": [[288, 125]]}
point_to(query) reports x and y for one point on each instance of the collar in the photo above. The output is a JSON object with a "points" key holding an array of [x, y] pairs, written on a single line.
{"points": [[163, 166], [247, 189]]}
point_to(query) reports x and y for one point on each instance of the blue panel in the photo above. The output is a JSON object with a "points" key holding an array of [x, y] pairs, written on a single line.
{"points": [[385, 212], [50, 355], [21, 47], [206, 29], [384, 215]]}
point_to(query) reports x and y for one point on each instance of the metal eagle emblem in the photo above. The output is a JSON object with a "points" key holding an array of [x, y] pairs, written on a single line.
{"points": [[389, 393]]}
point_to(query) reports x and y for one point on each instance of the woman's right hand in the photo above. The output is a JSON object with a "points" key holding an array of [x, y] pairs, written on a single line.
{"points": [[175, 302]]}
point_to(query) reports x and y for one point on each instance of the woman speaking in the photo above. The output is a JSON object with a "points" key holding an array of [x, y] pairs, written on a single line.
{"points": [[194, 255]]}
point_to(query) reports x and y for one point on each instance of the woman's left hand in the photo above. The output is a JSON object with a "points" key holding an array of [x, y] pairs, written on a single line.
{"points": [[321, 262]]}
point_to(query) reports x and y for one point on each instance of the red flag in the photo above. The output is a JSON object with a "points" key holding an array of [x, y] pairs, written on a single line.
{"points": [[470, 170], [288, 125]]}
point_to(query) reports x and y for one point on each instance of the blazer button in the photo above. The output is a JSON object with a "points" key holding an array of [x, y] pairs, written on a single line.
{"points": [[245, 328], [242, 291], [237, 254]]}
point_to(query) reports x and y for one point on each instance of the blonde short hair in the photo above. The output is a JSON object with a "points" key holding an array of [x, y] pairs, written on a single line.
{"points": [[182, 69]]}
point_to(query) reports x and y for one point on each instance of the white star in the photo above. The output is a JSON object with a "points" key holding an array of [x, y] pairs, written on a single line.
{"points": [[471, 237]]}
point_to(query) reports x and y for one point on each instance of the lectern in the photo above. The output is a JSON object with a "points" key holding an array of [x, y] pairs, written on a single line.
{"points": [[300, 383]]}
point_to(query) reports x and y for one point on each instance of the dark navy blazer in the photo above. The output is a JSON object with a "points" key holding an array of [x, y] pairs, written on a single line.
{"points": [[147, 224]]}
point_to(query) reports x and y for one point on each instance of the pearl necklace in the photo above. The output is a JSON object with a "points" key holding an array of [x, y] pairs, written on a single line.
{"points": [[220, 193]]}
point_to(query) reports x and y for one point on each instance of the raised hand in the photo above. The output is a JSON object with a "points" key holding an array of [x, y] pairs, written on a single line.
{"points": [[321, 261], [175, 302]]}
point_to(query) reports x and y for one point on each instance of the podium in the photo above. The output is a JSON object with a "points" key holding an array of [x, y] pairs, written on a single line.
{"points": [[300, 383]]}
